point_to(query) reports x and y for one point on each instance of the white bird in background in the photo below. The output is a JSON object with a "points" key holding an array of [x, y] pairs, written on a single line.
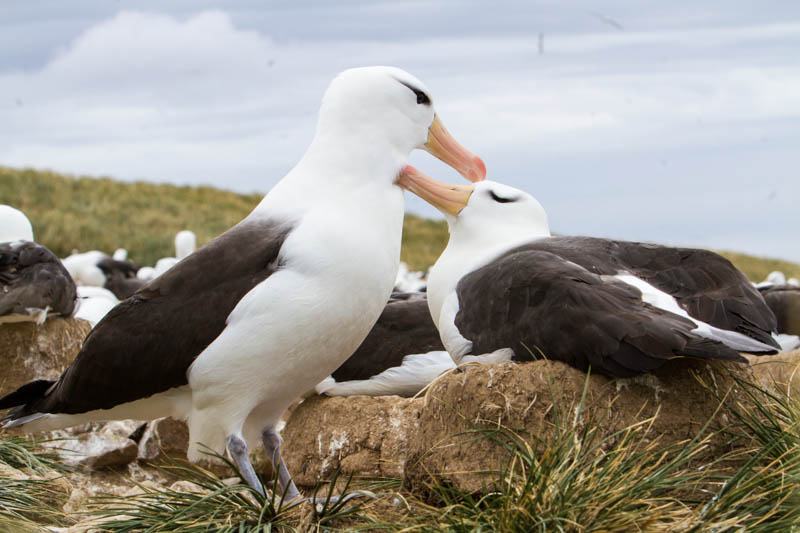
{"points": [[94, 303], [14, 225], [185, 242], [83, 267], [146, 273], [235, 332], [409, 280]]}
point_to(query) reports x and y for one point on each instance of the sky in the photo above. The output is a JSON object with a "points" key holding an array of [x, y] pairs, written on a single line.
{"points": [[668, 122]]}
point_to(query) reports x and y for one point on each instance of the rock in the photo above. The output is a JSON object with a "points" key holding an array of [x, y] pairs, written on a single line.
{"points": [[362, 435], [521, 397], [778, 372], [164, 438], [102, 446], [76, 501], [29, 351], [124, 428]]}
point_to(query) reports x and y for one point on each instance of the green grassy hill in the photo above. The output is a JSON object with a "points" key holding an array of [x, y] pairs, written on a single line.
{"points": [[81, 213]]}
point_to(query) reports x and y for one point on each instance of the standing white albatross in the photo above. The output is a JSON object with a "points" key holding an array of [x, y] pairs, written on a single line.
{"points": [[232, 334], [505, 289]]}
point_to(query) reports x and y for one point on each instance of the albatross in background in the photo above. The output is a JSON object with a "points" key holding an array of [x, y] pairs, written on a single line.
{"points": [[784, 300], [505, 289], [14, 225], [33, 282], [233, 333]]}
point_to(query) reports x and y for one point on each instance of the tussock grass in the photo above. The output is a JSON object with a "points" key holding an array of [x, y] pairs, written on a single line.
{"points": [[28, 454], [575, 481], [207, 503], [763, 494], [81, 213], [27, 503]]}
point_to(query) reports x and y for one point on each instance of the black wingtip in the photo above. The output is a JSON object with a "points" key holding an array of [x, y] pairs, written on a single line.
{"points": [[27, 393]]}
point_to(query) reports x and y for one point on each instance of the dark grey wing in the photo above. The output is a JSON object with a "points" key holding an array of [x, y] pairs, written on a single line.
{"points": [[146, 343], [32, 277], [784, 300], [704, 283], [404, 327], [540, 305]]}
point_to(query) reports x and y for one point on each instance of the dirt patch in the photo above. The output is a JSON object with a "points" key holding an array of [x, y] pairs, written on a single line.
{"points": [[361, 435], [780, 372]]}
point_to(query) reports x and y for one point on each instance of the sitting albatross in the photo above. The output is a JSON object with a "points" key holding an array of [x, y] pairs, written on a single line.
{"points": [[233, 333], [505, 289], [33, 282]]}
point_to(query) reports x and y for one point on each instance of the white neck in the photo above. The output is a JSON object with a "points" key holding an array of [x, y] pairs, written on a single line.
{"points": [[334, 167]]}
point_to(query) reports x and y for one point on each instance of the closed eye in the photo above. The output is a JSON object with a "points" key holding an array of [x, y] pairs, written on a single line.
{"points": [[501, 199]]}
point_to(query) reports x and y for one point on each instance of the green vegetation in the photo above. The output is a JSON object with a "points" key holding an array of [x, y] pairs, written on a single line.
{"points": [[207, 503], [82, 214], [86, 213], [757, 268], [28, 496]]}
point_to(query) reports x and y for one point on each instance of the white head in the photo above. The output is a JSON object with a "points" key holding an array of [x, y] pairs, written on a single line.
{"points": [[498, 214], [484, 219], [777, 277], [375, 117], [185, 243], [14, 225], [486, 214]]}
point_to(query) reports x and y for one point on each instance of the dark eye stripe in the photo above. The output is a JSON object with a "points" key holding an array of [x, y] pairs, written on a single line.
{"points": [[501, 199], [422, 98]]}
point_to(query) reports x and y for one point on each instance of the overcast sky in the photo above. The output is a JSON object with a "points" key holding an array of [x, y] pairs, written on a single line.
{"points": [[660, 121]]}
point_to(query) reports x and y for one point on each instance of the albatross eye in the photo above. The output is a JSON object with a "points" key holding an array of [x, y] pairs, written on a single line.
{"points": [[501, 199], [422, 98]]}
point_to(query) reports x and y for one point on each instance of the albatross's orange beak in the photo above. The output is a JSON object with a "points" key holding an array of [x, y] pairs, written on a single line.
{"points": [[445, 147], [445, 197]]}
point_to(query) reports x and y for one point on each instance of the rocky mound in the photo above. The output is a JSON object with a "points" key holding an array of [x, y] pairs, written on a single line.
{"points": [[424, 437]]}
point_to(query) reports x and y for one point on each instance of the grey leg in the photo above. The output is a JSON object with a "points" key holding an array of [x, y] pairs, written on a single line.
{"points": [[237, 446], [272, 445]]}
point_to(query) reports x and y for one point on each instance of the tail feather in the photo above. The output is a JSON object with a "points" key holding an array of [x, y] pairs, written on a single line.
{"points": [[710, 349], [21, 398]]}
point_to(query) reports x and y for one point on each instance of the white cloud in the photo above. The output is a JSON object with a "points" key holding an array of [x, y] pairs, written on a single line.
{"points": [[197, 98]]}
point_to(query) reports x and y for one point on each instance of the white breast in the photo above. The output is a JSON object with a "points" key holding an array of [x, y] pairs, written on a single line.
{"points": [[295, 328]]}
